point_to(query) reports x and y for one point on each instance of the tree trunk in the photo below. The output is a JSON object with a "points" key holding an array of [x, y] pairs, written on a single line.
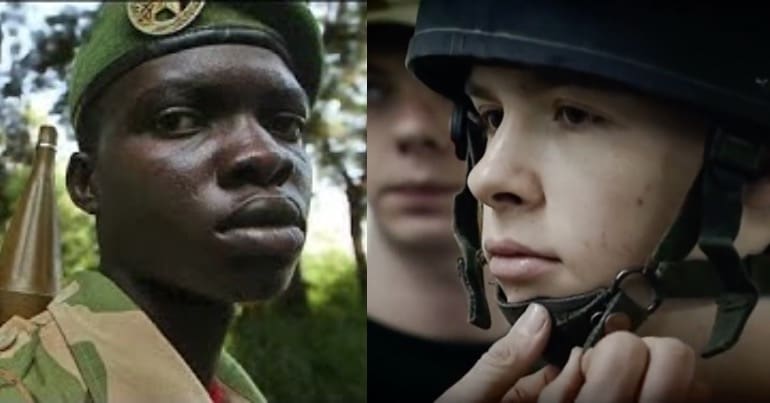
{"points": [[355, 195]]}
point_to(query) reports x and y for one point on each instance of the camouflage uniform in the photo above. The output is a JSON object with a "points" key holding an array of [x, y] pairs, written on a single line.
{"points": [[83, 349]]}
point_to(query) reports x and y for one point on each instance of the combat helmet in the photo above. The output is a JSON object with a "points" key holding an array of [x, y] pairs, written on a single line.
{"points": [[712, 59]]}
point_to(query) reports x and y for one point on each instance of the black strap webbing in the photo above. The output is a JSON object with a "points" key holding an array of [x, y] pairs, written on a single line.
{"points": [[466, 227], [732, 163], [729, 163], [699, 279]]}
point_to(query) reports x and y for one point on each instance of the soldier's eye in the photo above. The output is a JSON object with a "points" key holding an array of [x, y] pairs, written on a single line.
{"points": [[286, 126], [179, 122], [572, 117]]}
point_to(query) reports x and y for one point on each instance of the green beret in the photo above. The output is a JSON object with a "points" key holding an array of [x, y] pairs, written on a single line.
{"points": [[125, 35]]}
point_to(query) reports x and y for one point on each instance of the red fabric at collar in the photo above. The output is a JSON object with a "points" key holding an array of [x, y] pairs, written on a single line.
{"points": [[216, 393]]}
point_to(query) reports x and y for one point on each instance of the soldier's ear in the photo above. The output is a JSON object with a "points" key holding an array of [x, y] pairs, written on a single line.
{"points": [[81, 184]]}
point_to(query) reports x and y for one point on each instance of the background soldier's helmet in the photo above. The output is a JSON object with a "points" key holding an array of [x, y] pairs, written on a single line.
{"points": [[711, 59], [400, 12]]}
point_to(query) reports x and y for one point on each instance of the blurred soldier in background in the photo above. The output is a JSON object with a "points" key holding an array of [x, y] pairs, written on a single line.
{"points": [[419, 338]]}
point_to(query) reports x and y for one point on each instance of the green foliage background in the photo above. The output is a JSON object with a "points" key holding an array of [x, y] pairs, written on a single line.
{"points": [[315, 357]]}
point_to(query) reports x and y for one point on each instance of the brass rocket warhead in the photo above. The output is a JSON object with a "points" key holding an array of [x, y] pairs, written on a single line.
{"points": [[30, 266]]}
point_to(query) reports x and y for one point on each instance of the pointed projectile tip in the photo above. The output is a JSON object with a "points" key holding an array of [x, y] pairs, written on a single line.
{"points": [[47, 135]]}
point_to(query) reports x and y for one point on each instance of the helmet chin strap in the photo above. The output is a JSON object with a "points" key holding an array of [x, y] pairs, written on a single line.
{"points": [[710, 218], [466, 225]]}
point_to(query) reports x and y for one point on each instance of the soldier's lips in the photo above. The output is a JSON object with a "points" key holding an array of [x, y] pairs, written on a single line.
{"points": [[263, 225], [261, 241], [513, 263], [423, 198], [516, 270]]}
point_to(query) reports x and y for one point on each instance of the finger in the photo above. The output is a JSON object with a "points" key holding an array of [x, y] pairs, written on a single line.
{"points": [[670, 370], [505, 362], [528, 388], [614, 369], [567, 385]]}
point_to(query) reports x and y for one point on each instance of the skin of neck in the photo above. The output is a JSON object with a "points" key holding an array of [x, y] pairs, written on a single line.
{"points": [[194, 325], [418, 291]]}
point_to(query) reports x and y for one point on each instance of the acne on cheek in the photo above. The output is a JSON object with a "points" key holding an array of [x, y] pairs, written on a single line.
{"points": [[640, 200]]}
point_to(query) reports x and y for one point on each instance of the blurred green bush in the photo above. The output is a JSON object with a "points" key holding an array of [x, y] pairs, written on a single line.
{"points": [[316, 357]]}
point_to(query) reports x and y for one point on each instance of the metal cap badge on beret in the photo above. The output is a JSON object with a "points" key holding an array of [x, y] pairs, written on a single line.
{"points": [[125, 35]]}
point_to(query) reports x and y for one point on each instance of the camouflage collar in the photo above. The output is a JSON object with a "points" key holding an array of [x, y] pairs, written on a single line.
{"points": [[119, 351]]}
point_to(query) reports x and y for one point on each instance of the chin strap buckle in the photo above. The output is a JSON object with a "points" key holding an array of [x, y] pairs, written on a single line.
{"points": [[625, 308], [651, 282]]}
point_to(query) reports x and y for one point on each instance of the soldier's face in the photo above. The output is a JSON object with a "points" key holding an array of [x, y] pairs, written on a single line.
{"points": [[201, 181], [577, 183], [412, 173]]}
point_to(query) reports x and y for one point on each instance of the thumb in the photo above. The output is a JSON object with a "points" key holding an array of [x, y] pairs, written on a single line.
{"points": [[505, 362]]}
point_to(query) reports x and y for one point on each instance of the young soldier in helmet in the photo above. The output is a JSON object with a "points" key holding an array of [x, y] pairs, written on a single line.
{"points": [[619, 183], [189, 119], [417, 323]]}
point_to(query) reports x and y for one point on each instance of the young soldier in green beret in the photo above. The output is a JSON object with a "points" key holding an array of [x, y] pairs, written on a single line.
{"points": [[618, 190], [189, 118]]}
